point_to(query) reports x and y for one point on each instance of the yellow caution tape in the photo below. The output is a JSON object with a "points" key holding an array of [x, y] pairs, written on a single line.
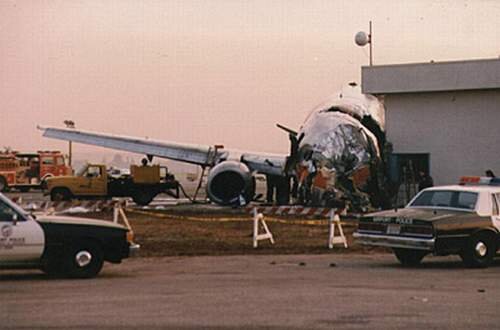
{"points": [[238, 219]]}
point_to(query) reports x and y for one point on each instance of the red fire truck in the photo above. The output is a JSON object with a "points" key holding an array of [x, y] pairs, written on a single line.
{"points": [[29, 170]]}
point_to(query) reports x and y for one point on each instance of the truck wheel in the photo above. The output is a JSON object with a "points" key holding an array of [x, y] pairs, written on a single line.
{"points": [[84, 260], [142, 197], [479, 251], [3, 184], [43, 185], [60, 194], [409, 258]]}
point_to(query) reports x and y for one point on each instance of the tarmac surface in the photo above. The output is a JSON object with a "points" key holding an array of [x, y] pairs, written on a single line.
{"points": [[329, 291]]}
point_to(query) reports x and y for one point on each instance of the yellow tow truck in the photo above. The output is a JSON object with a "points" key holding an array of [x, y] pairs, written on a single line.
{"points": [[95, 181]]}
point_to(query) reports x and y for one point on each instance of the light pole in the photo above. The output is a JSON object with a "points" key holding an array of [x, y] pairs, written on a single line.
{"points": [[361, 39], [70, 124]]}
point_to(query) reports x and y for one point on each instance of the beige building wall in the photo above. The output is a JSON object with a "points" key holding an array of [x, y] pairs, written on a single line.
{"points": [[460, 130]]}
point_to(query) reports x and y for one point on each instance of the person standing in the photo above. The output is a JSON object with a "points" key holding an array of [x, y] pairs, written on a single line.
{"points": [[425, 180], [271, 187], [490, 174]]}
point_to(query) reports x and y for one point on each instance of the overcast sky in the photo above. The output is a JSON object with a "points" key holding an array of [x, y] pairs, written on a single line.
{"points": [[210, 72]]}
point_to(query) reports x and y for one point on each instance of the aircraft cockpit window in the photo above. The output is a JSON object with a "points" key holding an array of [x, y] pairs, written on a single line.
{"points": [[332, 109]]}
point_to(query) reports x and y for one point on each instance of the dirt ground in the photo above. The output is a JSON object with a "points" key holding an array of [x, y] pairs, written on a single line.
{"points": [[186, 229], [196, 230]]}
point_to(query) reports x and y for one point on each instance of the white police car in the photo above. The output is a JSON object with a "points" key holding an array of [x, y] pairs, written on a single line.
{"points": [[60, 245], [459, 219]]}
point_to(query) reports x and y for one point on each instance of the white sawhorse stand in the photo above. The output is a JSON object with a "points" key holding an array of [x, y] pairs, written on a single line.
{"points": [[333, 221], [258, 218], [119, 212]]}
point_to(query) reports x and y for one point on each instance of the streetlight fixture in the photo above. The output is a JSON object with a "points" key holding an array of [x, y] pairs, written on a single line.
{"points": [[69, 124], [362, 38]]}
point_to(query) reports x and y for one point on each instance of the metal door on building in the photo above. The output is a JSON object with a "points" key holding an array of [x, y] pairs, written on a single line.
{"points": [[404, 169]]}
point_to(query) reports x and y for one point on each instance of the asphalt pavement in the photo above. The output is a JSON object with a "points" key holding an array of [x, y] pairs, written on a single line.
{"points": [[257, 292]]}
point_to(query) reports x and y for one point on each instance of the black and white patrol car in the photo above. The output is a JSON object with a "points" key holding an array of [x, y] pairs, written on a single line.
{"points": [[59, 245], [459, 219]]}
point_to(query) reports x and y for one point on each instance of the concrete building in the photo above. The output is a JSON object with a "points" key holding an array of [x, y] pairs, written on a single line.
{"points": [[441, 117]]}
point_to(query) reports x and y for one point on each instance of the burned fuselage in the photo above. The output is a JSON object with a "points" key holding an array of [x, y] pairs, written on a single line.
{"points": [[338, 151]]}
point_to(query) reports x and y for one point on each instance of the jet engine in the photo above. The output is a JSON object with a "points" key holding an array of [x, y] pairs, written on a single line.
{"points": [[228, 181]]}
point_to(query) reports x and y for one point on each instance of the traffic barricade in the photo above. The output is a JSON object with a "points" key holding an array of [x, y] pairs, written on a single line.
{"points": [[258, 213], [117, 205]]}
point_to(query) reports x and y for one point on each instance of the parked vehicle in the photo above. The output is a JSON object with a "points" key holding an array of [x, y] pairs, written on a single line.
{"points": [[60, 245], [459, 219], [93, 181], [24, 171]]}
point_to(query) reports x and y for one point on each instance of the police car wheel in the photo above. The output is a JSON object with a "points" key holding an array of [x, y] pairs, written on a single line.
{"points": [[409, 257], [85, 260], [479, 251]]}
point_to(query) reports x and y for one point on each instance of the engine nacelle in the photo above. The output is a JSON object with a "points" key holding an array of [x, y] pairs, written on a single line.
{"points": [[228, 181]]}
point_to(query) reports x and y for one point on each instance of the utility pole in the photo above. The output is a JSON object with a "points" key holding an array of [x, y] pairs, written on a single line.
{"points": [[70, 124], [370, 37]]}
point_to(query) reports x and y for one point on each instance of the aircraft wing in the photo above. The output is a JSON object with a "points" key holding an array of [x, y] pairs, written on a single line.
{"points": [[203, 155]]}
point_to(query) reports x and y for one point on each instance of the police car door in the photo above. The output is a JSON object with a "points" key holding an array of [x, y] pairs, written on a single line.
{"points": [[495, 216], [21, 238]]}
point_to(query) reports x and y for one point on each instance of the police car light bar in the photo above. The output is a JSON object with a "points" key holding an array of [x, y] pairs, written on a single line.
{"points": [[479, 181]]}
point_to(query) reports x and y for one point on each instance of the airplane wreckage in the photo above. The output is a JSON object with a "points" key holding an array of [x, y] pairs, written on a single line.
{"points": [[335, 158]]}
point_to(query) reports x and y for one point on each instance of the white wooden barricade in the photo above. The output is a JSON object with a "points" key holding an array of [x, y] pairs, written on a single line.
{"points": [[334, 220], [259, 221], [118, 211], [68, 206], [258, 218], [49, 207]]}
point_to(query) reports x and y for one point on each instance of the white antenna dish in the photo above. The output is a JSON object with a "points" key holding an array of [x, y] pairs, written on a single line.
{"points": [[361, 38]]}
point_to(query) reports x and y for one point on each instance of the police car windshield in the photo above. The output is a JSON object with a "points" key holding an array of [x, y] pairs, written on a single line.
{"points": [[446, 199], [5, 203]]}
